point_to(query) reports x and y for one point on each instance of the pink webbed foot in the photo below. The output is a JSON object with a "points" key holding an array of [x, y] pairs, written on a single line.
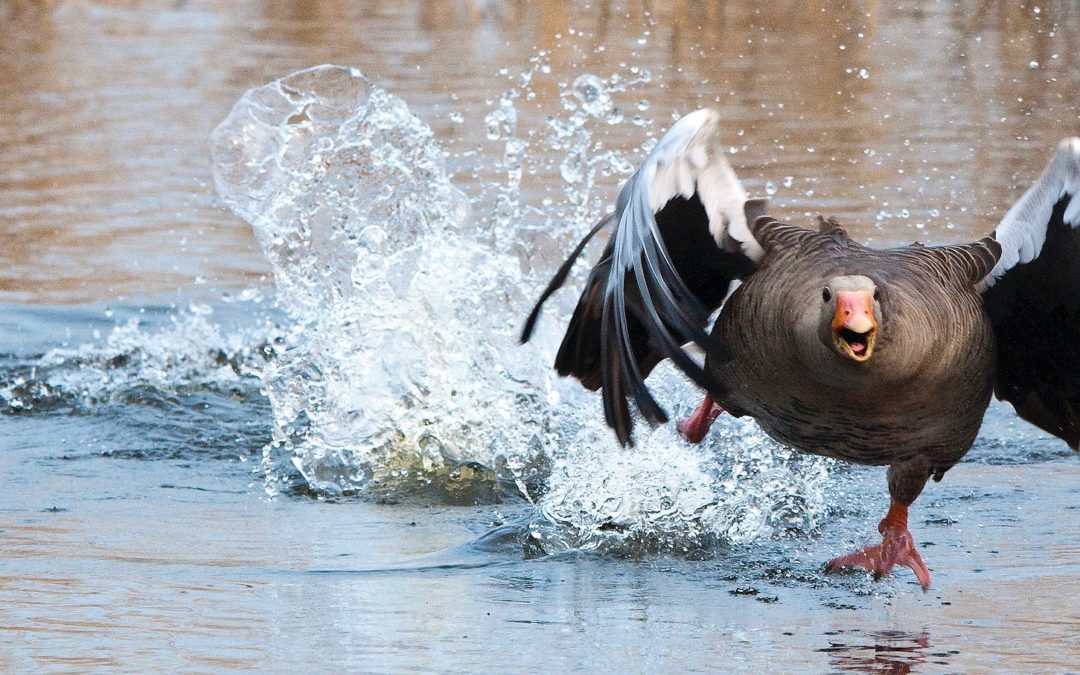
{"points": [[694, 428], [896, 548]]}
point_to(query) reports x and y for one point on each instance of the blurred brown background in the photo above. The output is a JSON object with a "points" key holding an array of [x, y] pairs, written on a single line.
{"points": [[908, 120]]}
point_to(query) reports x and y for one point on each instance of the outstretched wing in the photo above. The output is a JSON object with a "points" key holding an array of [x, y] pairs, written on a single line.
{"points": [[1033, 299], [681, 238]]}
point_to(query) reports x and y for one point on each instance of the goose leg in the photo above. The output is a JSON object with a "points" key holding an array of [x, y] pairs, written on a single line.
{"points": [[897, 546], [694, 428]]}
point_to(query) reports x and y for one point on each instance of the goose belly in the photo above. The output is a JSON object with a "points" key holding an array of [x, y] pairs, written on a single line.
{"points": [[940, 429], [861, 414], [923, 391]]}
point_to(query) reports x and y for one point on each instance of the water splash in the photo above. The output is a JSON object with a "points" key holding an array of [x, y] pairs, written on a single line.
{"points": [[583, 159], [400, 374], [395, 369], [325, 176], [593, 94], [570, 144], [664, 495], [502, 126], [190, 351]]}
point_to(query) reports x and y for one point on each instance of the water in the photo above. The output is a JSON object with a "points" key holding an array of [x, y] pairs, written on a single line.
{"points": [[231, 452]]}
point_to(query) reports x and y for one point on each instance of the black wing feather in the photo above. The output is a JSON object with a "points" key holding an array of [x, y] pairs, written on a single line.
{"points": [[1035, 311], [622, 327], [661, 275]]}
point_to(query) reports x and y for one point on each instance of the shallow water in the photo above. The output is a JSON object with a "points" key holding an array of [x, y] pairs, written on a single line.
{"points": [[165, 507]]}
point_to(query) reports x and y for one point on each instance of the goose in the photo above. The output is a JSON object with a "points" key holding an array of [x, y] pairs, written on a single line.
{"points": [[884, 357]]}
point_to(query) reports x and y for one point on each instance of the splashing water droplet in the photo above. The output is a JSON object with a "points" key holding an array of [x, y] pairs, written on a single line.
{"points": [[593, 95], [572, 168], [770, 188]]}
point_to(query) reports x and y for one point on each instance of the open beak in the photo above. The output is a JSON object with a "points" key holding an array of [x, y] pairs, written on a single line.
{"points": [[854, 326]]}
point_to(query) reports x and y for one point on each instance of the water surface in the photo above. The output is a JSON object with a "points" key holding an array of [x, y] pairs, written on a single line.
{"points": [[149, 522]]}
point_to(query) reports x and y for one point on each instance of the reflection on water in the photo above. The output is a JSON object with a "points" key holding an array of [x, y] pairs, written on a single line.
{"points": [[889, 651], [134, 531]]}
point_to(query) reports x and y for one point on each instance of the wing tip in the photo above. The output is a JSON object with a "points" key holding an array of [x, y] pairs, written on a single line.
{"points": [[702, 116]]}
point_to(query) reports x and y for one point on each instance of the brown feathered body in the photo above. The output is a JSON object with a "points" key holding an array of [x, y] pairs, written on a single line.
{"points": [[919, 400]]}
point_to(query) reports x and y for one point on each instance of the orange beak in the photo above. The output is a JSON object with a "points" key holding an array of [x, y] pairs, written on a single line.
{"points": [[853, 325]]}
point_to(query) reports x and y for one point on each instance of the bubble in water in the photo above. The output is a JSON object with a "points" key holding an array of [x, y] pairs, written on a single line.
{"points": [[770, 188], [593, 95]]}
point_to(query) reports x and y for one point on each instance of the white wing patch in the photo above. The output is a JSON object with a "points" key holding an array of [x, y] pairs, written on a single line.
{"points": [[690, 159], [1022, 232]]}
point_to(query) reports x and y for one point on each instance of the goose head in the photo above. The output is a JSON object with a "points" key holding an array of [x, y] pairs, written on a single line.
{"points": [[850, 315]]}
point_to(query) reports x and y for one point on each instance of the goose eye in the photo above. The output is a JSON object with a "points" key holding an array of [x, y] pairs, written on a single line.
{"points": [[826, 294]]}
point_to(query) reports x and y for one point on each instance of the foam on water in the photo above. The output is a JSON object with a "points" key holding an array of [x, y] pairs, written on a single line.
{"points": [[146, 383], [189, 351], [401, 371], [666, 495]]}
